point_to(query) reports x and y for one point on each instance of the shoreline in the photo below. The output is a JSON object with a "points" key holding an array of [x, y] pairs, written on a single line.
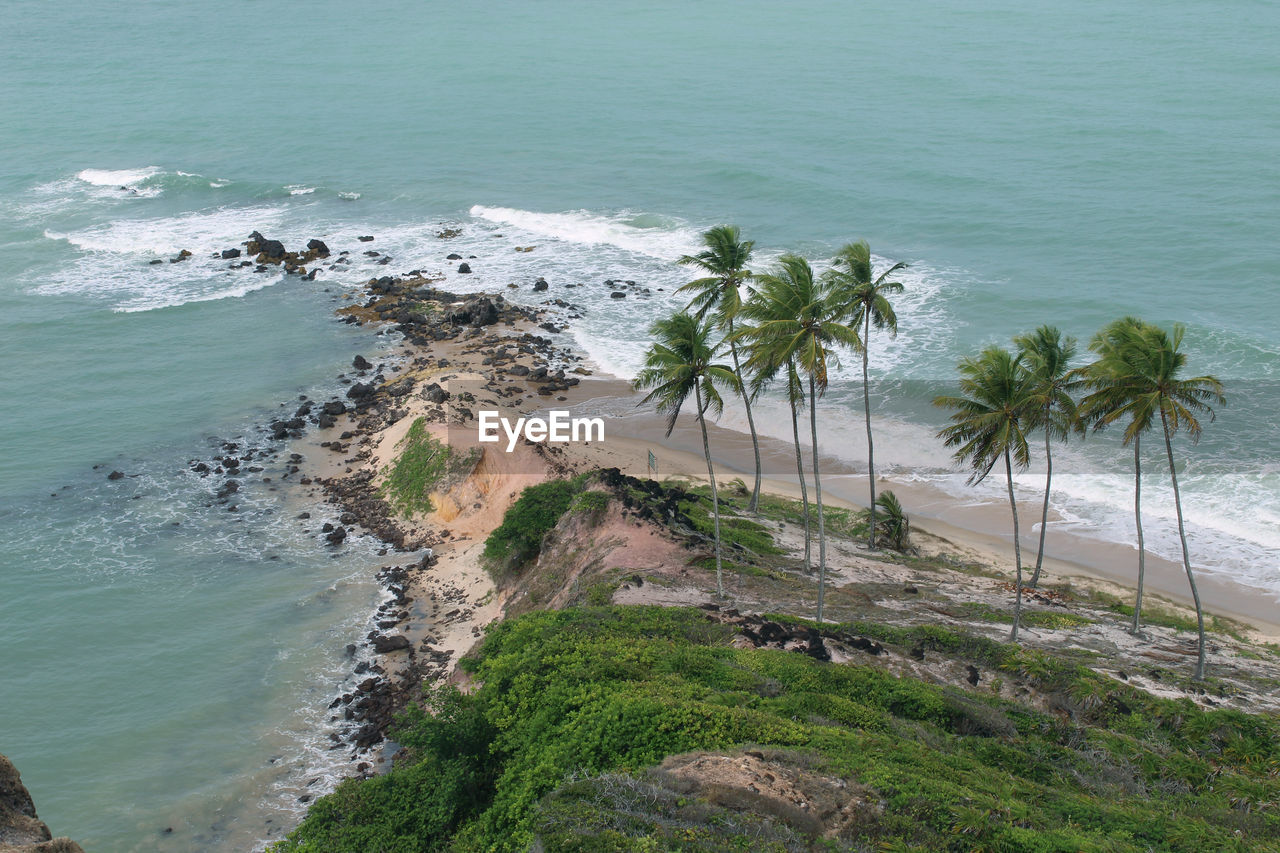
{"points": [[980, 527]]}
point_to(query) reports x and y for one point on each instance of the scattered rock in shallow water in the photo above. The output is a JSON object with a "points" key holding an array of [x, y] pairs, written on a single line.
{"points": [[228, 254], [464, 267], [383, 644], [540, 285], [618, 294], [365, 239], [359, 363], [115, 475]]}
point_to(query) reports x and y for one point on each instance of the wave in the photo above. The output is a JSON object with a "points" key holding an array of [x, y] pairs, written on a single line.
{"points": [[117, 177], [653, 236]]}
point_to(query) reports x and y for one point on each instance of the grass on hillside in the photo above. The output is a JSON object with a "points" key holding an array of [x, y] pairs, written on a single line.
{"points": [[422, 462], [574, 705]]}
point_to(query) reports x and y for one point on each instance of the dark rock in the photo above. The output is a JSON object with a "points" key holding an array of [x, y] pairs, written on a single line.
{"points": [[382, 644], [464, 267], [453, 256], [336, 536], [273, 249], [228, 254], [21, 830], [618, 294], [318, 246], [519, 370], [155, 261], [115, 475], [359, 363], [973, 678], [435, 394], [540, 285], [365, 239], [360, 390]]}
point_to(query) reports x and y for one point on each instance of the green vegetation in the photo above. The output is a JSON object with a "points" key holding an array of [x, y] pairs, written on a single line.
{"points": [[574, 708], [422, 464], [517, 542]]}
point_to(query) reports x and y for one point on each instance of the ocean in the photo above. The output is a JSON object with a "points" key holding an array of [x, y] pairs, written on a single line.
{"points": [[165, 664]]}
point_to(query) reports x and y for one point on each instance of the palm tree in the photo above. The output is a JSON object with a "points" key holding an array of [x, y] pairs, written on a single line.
{"points": [[990, 423], [893, 521], [677, 364], [1114, 392], [1046, 353], [798, 320], [719, 294], [867, 299], [1140, 365]]}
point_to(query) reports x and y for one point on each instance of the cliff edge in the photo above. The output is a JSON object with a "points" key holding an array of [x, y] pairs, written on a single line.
{"points": [[21, 831]]}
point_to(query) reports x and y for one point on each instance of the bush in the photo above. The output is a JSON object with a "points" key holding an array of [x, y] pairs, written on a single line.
{"points": [[518, 540]]}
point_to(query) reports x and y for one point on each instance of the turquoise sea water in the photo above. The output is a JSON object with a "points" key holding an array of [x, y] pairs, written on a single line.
{"points": [[1034, 162]]}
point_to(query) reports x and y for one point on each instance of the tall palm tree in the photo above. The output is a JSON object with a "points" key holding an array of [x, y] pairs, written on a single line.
{"points": [[990, 423], [1114, 391], [867, 298], [797, 319], [719, 294], [1144, 363], [1046, 353], [677, 364]]}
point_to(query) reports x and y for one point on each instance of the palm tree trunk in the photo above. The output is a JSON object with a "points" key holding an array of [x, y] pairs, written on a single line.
{"points": [[751, 421], [715, 498], [1044, 512], [804, 490], [1142, 550], [817, 491], [866, 405], [1186, 557], [1017, 549]]}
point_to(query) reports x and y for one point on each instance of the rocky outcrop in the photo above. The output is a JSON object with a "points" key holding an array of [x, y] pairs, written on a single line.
{"points": [[20, 830]]}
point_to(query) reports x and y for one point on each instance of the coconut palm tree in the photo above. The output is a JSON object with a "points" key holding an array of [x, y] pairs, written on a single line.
{"points": [[1046, 353], [990, 424], [719, 294], [867, 300], [1113, 394], [1141, 366], [677, 364], [797, 320]]}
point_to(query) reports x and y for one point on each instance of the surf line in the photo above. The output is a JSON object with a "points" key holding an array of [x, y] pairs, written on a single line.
{"points": [[560, 427]]}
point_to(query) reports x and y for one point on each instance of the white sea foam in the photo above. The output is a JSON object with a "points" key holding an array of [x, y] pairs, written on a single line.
{"points": [[300, 189], [348, 196], [621, 231], [117, 177]]}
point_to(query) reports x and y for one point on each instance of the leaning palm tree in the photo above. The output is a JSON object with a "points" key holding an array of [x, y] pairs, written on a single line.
{"points": [[1114, 394], [1143, 363], [798, 320], [677, 364], [1046, 353], [867, 300], [990, 424], [719, 294]]}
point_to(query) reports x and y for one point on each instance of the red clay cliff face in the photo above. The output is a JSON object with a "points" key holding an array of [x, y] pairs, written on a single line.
{"points": [[20, 830]]}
